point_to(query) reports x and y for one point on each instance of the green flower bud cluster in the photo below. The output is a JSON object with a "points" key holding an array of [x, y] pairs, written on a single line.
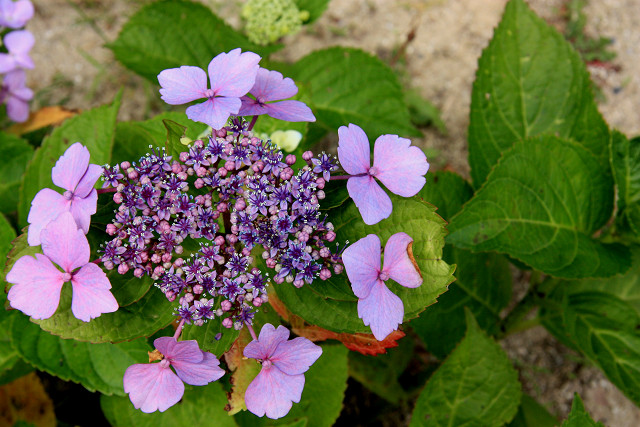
{"points": [[268, 20]]}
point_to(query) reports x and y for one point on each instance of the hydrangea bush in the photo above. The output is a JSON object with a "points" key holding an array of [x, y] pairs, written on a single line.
{"points": [[217, 274]]}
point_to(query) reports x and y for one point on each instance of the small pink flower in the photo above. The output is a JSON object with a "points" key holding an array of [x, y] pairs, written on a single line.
{"points": [[38, 282], [281, 379], [378, 307], [73, 173], [14, 14], [18, 43], [154, 387], [16, 95]]}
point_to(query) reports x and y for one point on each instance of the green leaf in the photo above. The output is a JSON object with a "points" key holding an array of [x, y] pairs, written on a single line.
{"points": [[579, 417], [199, 406], [98, 367], [476, 385], [16, 153], [423, 112], [128, 289], [625, 162], [172, 33], [483, 281], [530, 81], [206, 336], [371, 98], [540, 205], [94, 128], [532, 414], [134, 138], [332, 305], [601, 319], [315, 8], [7, 235]]}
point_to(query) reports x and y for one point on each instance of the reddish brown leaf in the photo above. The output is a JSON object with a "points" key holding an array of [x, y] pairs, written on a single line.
{"points": [[244, 371]]}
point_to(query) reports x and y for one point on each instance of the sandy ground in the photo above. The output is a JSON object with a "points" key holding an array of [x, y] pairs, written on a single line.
{"points": [[73, 68]]}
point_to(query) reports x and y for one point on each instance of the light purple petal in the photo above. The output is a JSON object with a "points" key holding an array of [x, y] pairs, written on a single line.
{"points": [[401, 168], [290, 111], [18, 107], [186, 351], [251, 107], [362, 263], [152, 387], [71, 167], [397, 262], [353, 149], [202, 373], [296, 356], [372, 202], [268, 340], [88, 180], [46, 206], [64, 244], [7, 63], [37, 286], [15, 14], [272, 86], [273, 392], [382, 310], [214, 112], [91, 293], [233, 74], [182, 85], [19, 43], [15, 80], [82, 209]]}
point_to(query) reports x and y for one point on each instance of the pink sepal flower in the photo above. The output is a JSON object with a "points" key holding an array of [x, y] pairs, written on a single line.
{"points": [[281, 379], [16, 95], [38, 282], [154, 387], [18, 43], [73, 173], [14, 14], [378, 307]]}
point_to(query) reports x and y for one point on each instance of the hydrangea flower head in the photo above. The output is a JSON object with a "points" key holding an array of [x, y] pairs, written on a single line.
{"points": [[154, 387], [14, 14], [378, 307], [281, 379], [18, 43], [73, 173], [231, 74], [38, 282], [272, 86], [396, 164], [16, 95]]}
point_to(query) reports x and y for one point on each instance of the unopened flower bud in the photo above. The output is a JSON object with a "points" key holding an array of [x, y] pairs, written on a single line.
{"points": [[227, 323], [290, 159], [306, 156]]}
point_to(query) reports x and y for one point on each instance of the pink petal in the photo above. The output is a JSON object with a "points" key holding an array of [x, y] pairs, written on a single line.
{"points": [[202, 373], [290, 111], [214, 112], [353, 150], [401, 168], [19, 41], [152, 387], [372, 202], [251, 107], [64, 244], [15, 15], [273, 392], [268, 340], [37, 286], [91, 294], [362, 263], [272, 86], [88, 180], [296, 356], [14, 80], [182, 85], [46, 206], [83, 208], [397, 262], [187, 351], [382, 310], [7, 63], [18, 107], [233, 74], [70, 167]]}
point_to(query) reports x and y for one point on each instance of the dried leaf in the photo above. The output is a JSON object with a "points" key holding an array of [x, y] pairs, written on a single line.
{"points": [[244, 371], [46, 116], [26, 400]]}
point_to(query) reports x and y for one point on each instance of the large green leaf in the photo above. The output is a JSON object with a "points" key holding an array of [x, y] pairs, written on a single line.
{"points": [[625, 162], [601, 319], [371, 97], [94, 128], [483, 281], [98, 367], [172, 33], [530, 81], [199, 406], [532, 414], [315, 8], [579, 417], [475, 386], [540, 205], [332, 305], [15, 152], [8, 356], [206, 335]]}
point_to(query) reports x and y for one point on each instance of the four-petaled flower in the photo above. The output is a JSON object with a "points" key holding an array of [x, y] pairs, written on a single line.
{"points": [[73, 173], [398, 166], [272, 86], [38, 282], [231, 74], [378, 307], [154, 386], [281, 379]]}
